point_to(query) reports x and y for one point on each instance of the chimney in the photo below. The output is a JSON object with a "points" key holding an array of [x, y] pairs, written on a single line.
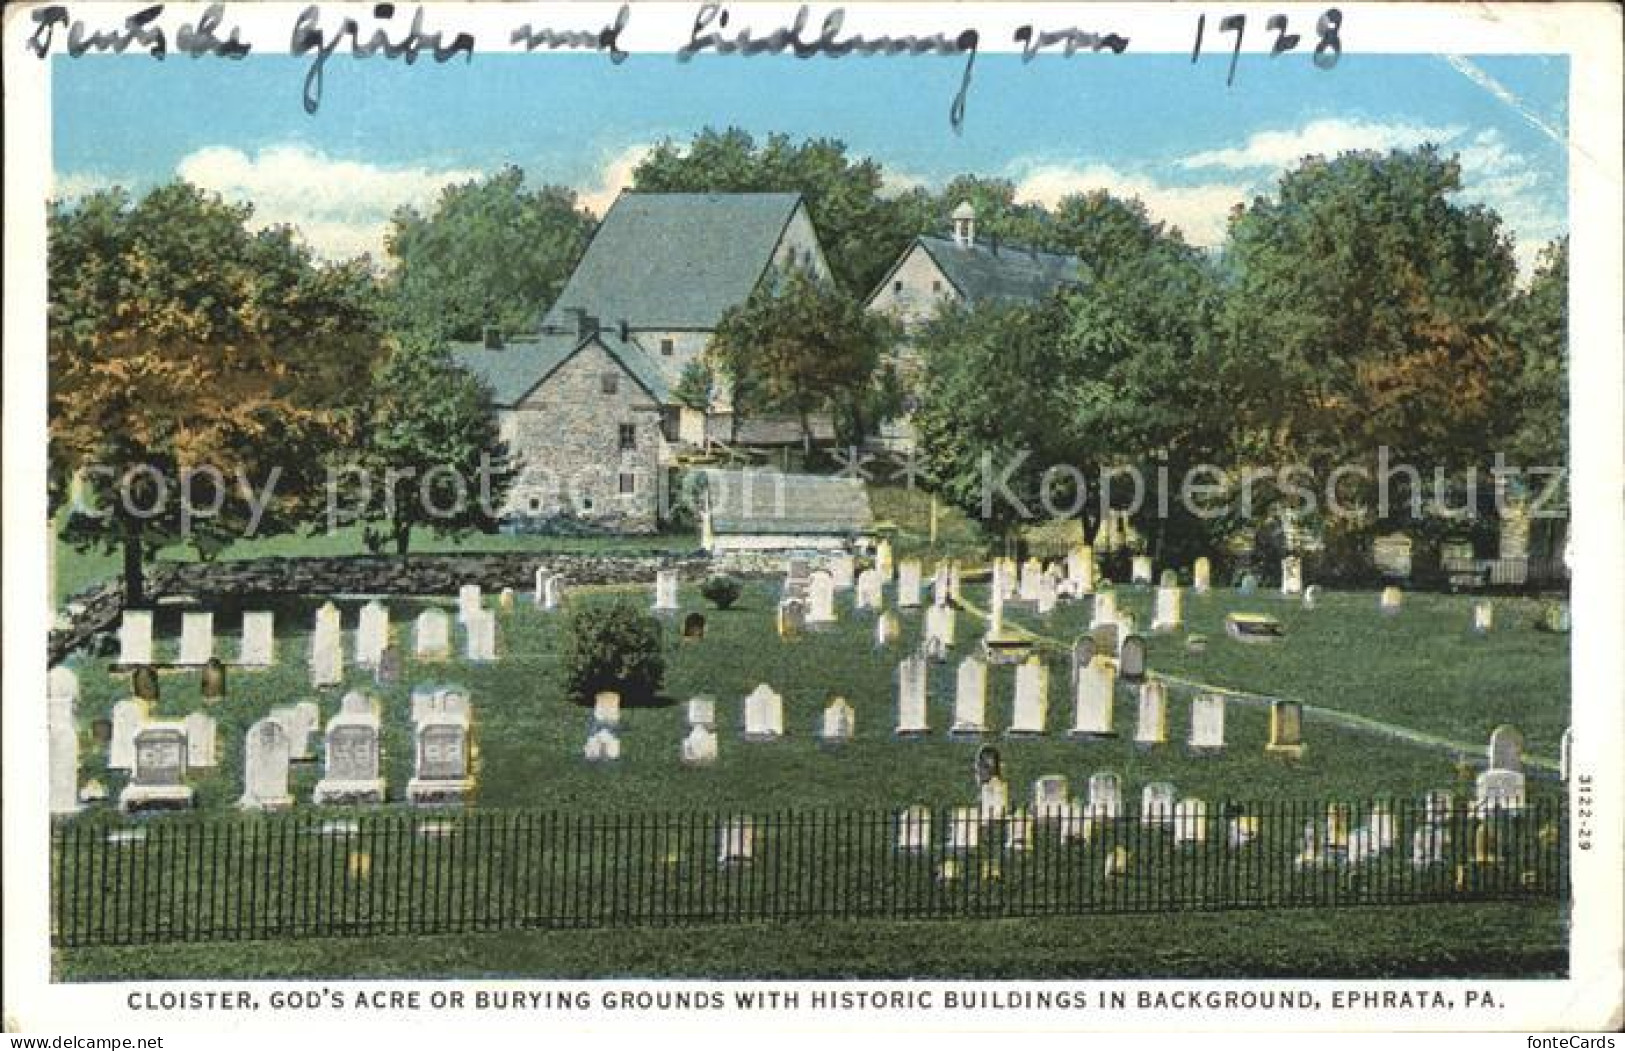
{"points": [[493, 337], [994, 243], [586, 324], [964, 218], [626, 331]]}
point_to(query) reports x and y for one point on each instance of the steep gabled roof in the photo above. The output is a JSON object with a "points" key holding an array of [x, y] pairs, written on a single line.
{"points": [[778, 504], [984, 271], [675, 260], [517, 368]]}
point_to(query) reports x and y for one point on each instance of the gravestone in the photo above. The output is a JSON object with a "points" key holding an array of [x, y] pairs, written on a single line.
{"points": [[970, 698], [432, 703], [1031, 710], [1140, 570], [1047, 596], [1151, 728], [908, 584], [838, 722], [820, 599], [1286, 729], [886, 630], [1131, 658], [988, 764], [764, 714], [432, 635], [964, 829], [1437, 806], [1190, 822], [1083, 654], [212, 680], [469, 599], [266, 755], [1390, 600], [202, 741], [327, 648], [1032, 571], [259, 639], [1105, 796], [552, 592], [666, 591], [843, 570], [371, 634], [1126, 626], [1105, 610], [1428, 844], [1207, 724], [694, 627], [539, 590], [1018, 831], [1243, 831], [942, 585], [388, 672], [603, 746], [135, 637], [1051, 797], [158, 772], [1169, 614], [505, 600], [736, 842], [702, 711], [441, 773], [912, 717], [197, 637], [883, 561], [1506, 749], [868, 593], [300, 722], [62, 759], [939, 624], [1080, 569], [350, 771], [1093, 696], [62, 685], [1311, 596], [606, 709], [128, 718], [1253, 628], [792, 618], [1157, 803], [1291, 576], [1483, 617], [144, 682], [1557, 618], [480, 636], [1380, 823], [993, 798], [700, 747], [914, 830], [1202, 575]]}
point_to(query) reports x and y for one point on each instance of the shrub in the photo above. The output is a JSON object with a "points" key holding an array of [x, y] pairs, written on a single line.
{"points": [[721, 591], [617, 647]]}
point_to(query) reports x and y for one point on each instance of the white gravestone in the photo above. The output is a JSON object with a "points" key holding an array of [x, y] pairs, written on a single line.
{"points": [[1500, 790], [666, 591], [736, 842], [327, 648], [886, 630], [350, 770], [1051, 796], [1092, 713], [1207, 723], [63, 747], [939, 625], [197, 637], [469, 599], [964, 829], [908, 584], [883, 561], [764, 714], [1080, 569], [442, 703], [1483, 617], [1291, 575], [843, 571], [1157, 803], [202, 741], [914, 830], [1032, 571], [1169, 614], [266, 754], [1311, 596], [1152, 726], [1140, 570], [1190, 822], [700, 747], [539, 588], [432, 637], [994, 798], [970, 697], [1018, 831], [1046, 597], [868, 592], [821, 599], [480, 635], [1031, 711], [1105, 796], [1202, 575], [1391, 600], [128, 717], [135, 637], [371, 634], [553, 592], [912, 717], [838, 722], [441, 754], [702, 711], [1506, 749], [606, 708], [603, 746], [259, 639], [942, 585], [1105, 611], [158, 772]]}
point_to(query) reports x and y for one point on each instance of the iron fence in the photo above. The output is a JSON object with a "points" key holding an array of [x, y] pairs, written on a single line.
{"points": [[197, 877]]}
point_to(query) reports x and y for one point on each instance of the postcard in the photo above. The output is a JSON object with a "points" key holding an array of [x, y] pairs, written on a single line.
{"points": [[544, 517]]}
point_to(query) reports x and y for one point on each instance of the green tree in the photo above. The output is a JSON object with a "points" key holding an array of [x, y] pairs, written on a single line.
{"points": [[695, 385], [185, 350], [862, 232], [432, 456], [1535, 396], [490, 253], [799, 345]]}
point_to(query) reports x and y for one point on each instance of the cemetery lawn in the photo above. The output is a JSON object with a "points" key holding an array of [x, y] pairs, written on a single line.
{"points": [[1421, 669], [1478, 940]]}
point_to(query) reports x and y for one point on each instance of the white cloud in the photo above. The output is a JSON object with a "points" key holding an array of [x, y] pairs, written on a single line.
{"points": [[894, 183], [1199, 211], [341, 208], [1328, 137], [615, 176], [70, 186]]}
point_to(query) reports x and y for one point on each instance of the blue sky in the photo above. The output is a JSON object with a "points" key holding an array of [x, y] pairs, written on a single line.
{"points": [[1149, 125]]}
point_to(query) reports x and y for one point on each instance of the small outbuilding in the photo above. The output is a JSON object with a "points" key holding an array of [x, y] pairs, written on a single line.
{"points": [[758, 509]]}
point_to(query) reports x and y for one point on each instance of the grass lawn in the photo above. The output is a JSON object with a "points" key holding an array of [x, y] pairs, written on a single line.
{"points": [[1421, 669]]}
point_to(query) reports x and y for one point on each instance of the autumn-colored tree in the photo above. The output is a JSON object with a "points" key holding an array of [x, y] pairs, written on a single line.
{"points": [[200, 374]]}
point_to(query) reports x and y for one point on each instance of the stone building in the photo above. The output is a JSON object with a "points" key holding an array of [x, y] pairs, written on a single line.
{"points": [[760, 510], [585, 403]]}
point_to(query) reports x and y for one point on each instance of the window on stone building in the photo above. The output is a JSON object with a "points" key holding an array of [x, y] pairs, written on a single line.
{"points": [[629, 483], [535, 505], [936, 286], [897, 286], [629, 436], [609, 382], [666, 348]]}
